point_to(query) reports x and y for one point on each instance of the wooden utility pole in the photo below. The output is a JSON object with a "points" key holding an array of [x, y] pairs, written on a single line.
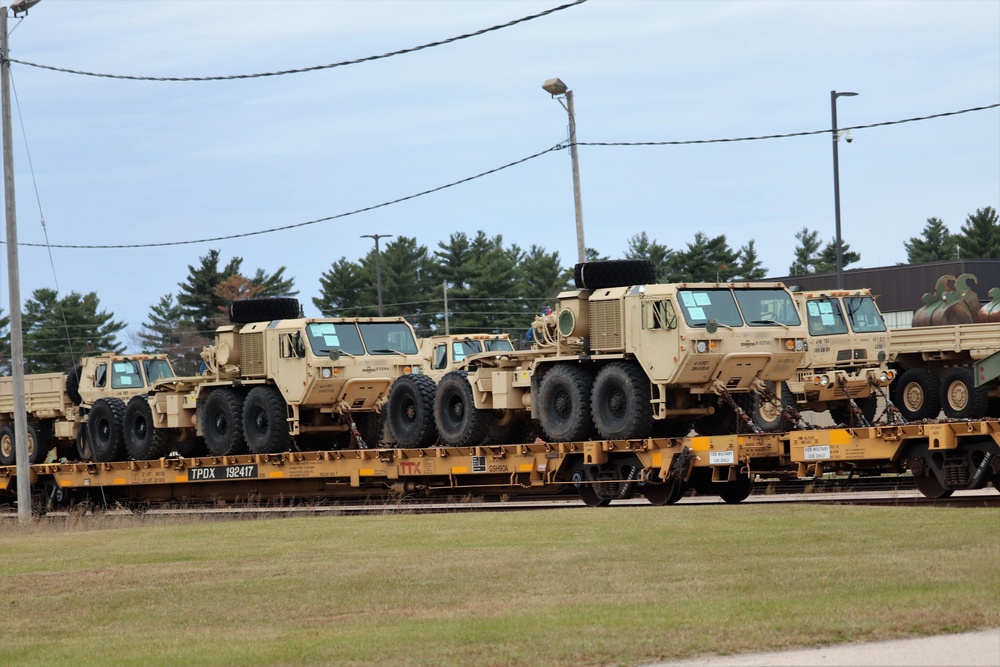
{"points": [[16, 340]]}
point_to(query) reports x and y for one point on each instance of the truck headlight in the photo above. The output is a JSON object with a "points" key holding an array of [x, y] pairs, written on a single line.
{"points": [[326, 373], [701, 346]]}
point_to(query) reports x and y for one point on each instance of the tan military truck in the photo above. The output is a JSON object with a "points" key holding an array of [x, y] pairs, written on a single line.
{"points": [[846, 360], [628, 358], [60, 406], [950, 367], [275, 381]]}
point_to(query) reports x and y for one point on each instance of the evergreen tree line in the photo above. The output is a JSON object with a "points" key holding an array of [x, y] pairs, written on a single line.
{"points": [[466, 284]]}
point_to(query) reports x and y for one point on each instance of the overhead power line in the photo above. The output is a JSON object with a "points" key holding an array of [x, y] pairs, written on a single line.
{"points": [[557, 147], [302, 70]]}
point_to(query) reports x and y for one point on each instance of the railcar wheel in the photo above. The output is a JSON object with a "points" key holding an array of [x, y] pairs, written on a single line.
{"points": [[620, 402], [667, 493], [142, 439], [961, 398], [564, 403], [735, 491], [929, 486], [410, 408], [105, 422], [265, 422], [917, 395], [590, 498], [222, 422], [458, 421]]}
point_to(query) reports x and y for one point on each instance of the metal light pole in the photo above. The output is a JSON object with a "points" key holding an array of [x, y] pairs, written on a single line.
{"points": [[16, 335], [836, 184], [378, 266], [558, 90]]}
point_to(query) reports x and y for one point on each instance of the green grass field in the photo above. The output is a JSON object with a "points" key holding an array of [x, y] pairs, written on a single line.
{"points": [[612, 586]]}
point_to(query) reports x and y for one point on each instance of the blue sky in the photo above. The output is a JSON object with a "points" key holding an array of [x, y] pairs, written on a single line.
{"points": [[129, 162]]}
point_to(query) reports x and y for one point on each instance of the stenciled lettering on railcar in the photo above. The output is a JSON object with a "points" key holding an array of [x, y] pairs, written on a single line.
{"points": [[214, 473]]}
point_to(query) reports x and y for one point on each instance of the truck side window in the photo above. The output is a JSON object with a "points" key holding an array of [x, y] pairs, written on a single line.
{"points": [[101, 376], [292, 345], [659, 315], [440, 356]]}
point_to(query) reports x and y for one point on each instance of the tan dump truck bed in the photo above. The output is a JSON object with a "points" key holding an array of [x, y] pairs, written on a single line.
{"points": [[970, 342], [44, 395]]}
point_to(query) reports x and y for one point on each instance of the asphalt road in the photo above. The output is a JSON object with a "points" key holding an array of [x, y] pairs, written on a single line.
{"points": [[971, 649]]}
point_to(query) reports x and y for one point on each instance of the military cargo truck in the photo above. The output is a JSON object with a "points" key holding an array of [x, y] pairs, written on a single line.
{"points": [[846, 361], [624, 358], [274, 381], [60, 406]]}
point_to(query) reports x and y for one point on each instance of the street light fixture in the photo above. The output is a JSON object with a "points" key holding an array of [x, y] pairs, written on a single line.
{"points": [[836, 182], [378, 266], [558, 90]]}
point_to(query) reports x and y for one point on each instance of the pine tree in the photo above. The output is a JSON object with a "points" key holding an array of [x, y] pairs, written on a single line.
{"points": [[343, 291], [980, 236], [59, 331], [935, 244], [749, 266], [640, 247], [827, 260], [806, 252], [170, 331], [197, 294]]}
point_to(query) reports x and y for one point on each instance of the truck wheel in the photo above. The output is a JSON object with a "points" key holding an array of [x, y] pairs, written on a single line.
{"points": [[614, 273], [8, 447], [769, 415], [961, 398], [841, 414], [621, 402], [83, 449], [265, 422], [105, 423], [410, 407], [263, 310], [222, 422], [459, 423], [142, 439], [722, 422], [73, 384], [564, 403], [371, 427], [918, 395]]}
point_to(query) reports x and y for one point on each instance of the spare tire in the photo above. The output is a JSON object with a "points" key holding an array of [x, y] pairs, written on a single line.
{"points": [[614, 273], [263, 310], [73, 384]]}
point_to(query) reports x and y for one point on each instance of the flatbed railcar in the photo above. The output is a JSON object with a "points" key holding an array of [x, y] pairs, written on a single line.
{"points": [[941, 456]]}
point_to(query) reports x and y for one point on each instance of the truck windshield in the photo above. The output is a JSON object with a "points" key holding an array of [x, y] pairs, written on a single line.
{"points": [[498, 345], [864, 315], [825, 317], [700, 306], [765, 307], [388, 338], [157, 369], [125, 374], [324, 336]]}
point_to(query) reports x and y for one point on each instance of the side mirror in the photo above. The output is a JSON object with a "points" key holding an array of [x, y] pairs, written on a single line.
{"points": [[334, 353]]}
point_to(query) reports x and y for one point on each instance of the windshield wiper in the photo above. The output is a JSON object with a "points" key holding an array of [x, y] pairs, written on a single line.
{"points": [[780, 324], [388, 351]]}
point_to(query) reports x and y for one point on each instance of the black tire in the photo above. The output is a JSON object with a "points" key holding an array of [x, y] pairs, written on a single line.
{"points": [[841, 413], [410, 411], [614, 273], [918, 395], [458, 421], [8, 446], [564, 403], [770, 416], [722, 422], [264, 310], [222, 422], [371, 427], [511, 428], [142, 439], [961, 398], [107, 441], [73, 384], [265, 422], [620, 402], [83, 449]]}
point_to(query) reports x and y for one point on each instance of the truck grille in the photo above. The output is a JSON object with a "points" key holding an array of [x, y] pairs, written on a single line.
{"points": [[252, 354], [605, 325]]}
